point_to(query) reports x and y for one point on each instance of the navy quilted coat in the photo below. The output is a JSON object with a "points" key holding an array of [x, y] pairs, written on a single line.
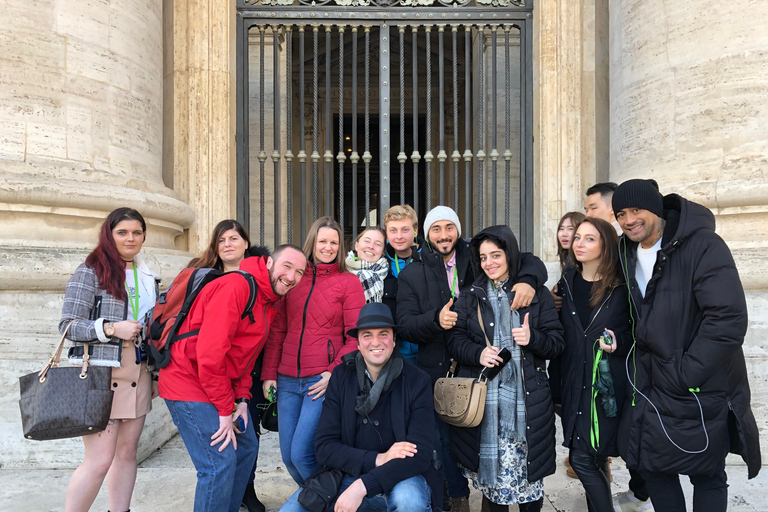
{"points": [[308, 335]]}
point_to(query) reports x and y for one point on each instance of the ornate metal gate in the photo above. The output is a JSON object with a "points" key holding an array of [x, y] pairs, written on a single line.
{"points": [[383, 102]]}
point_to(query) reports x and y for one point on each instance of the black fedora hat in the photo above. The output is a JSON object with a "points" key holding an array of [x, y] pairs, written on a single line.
{"points": [[372, 316]]}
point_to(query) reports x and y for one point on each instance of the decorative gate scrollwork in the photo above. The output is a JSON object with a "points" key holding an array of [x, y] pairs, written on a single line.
{"points": [[366, 100]]}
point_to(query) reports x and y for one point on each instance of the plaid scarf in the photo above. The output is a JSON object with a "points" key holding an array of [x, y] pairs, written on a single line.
{"points": [[504, 416], [371, 275]]}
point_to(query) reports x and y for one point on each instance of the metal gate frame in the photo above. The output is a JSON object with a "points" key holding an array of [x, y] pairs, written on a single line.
{"points": [[255, 13]]}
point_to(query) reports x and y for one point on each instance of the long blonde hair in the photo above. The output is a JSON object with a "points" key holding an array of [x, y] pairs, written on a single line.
{"points": [[311, 240]]}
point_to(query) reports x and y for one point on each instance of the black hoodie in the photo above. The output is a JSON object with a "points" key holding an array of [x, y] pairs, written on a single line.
{"points": [[690, 330], [466, 341]]}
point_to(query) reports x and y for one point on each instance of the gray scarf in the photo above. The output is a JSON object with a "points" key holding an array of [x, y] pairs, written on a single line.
{"points": [[504, 416], [369, 395]]}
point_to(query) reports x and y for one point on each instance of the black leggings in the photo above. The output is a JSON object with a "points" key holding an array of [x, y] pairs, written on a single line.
{"points": [[531, 506], [593, 472]]}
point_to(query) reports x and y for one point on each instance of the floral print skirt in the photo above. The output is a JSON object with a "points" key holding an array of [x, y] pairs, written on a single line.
{"points": [[512, 485]]}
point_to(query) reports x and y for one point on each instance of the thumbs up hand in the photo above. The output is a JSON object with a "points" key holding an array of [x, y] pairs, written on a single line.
{"points": [[522, 335], [447, 317]]}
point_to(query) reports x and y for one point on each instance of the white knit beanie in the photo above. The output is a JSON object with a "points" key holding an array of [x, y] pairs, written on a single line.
{"points": [[439, 213]]}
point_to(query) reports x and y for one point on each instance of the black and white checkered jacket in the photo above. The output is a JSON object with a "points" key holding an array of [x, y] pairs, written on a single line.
{"points": [[88, 306]]}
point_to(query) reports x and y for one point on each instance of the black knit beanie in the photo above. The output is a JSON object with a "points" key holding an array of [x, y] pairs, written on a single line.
{"points": [[643, 194]]}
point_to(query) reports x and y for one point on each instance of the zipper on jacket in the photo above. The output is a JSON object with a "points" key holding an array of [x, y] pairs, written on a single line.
{"points": [[331, 352], [266, 333], [598, 309], [304, 322]]}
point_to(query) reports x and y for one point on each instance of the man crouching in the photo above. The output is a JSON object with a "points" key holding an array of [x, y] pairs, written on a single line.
{"points": [[377, 425]]}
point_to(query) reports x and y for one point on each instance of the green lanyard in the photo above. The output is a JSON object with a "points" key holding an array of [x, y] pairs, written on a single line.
{"points": [[134, 301], [594, 431], [453, 284], [397, 265]]}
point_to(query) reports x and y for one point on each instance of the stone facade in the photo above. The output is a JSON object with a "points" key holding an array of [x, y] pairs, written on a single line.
{"points": [[108, 103], [81, 132]]}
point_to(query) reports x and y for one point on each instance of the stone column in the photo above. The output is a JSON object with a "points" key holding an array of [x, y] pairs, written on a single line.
{"points": [[200, 115], [569, 98], [80, 134], [689, 103]]}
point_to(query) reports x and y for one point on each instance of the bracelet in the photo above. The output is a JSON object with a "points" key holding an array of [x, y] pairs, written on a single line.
{"points": [[243, 400]]}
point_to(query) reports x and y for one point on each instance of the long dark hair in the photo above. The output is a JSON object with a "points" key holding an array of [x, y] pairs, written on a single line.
{"points": [[105, 259], [576, 218], [608, 269], [309, 243], [210, 257]]}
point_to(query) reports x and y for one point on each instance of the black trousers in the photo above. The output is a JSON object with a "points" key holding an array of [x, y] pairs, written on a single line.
{"points": [[710, 493], [592, 470], [637, 485]]}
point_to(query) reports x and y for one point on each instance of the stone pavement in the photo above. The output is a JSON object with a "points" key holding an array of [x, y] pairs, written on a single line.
{"points": [[166, 482]]}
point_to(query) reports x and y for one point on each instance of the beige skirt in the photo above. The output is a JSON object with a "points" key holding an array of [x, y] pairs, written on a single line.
{"points": [[132, 384]]}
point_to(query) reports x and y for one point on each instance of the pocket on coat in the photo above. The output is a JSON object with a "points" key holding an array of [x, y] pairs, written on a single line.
{"points": [[331, 352]]}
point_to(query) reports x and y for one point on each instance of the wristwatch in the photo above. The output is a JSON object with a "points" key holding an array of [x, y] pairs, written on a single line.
{"points": [[243, 400], [109, 329]]}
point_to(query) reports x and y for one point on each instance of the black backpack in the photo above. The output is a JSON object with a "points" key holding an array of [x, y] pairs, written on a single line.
{"points": [[173, 306]]}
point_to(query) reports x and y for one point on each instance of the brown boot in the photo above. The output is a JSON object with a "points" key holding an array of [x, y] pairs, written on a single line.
{"points": [[460, 504], [568, 470]]}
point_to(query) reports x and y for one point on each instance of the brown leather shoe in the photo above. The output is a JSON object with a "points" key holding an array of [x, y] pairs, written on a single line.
{"points": [[460, 504]]}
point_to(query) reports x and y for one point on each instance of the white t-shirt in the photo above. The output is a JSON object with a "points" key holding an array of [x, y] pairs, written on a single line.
{"points": [[146, 292], [646, 258]]}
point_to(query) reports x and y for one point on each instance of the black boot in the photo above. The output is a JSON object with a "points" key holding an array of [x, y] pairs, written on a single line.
{"points": [[446, 498], [251, 501]]}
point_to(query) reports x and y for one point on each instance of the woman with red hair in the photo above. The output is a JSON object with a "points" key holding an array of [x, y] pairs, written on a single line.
{"points": [[108, 302]]}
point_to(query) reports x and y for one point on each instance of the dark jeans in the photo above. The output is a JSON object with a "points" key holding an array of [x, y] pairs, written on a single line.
{"points": [[592, 470], [710, 493], [457, 482]]}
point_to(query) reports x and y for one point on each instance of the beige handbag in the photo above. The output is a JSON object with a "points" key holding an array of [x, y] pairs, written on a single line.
{"points": [[460, 401]]}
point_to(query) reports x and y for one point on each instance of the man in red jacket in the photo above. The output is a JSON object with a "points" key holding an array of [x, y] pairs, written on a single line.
{"points": [[207, 383]]}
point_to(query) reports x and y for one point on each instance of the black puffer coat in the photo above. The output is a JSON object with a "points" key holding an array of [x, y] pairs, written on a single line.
{"points": [[577, 362], [466, 342], [390, 282], [689, 334], [423, 291]]}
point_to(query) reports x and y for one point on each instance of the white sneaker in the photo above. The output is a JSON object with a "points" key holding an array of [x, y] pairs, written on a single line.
{"points": [[626, 502]]}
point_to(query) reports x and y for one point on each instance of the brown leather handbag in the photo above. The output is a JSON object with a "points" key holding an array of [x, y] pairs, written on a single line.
{"points": [[73, 401], [460, 401]]}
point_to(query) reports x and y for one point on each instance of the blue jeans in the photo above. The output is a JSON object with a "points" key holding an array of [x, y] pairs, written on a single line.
{"points": [[457, 482], [221, 476], [410, 495], [298, 416]]}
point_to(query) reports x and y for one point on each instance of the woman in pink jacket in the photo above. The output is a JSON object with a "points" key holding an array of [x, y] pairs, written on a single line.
{"points": [[307, 340]]}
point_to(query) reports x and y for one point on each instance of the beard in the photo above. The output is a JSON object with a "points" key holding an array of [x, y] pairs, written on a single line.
{"points": [[450, 249], [274, 282]]}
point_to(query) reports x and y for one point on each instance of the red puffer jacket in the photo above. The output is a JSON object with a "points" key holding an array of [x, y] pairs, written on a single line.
{"points": [[309, 332], [217, 369]]}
